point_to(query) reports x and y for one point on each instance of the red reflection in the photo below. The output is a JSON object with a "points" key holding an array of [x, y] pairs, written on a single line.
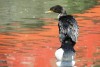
{"points": [[37, 50]]}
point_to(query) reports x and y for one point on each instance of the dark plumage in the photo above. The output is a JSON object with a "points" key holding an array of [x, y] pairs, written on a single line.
{"points": [[56, 9], [68, 28], [68, 31], [68, 34]]}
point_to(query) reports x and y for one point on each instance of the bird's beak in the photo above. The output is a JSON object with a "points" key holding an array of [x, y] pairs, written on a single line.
{"points": [[49, 11]]}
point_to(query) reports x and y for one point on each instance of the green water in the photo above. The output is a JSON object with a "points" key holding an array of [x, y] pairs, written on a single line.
{"points": [[24, 12]]}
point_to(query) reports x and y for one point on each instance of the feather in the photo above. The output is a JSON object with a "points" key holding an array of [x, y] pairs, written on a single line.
{"points": [[68, 27]]}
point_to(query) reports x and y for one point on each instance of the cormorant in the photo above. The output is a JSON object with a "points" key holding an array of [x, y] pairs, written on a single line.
{"points": [[68, 34]]}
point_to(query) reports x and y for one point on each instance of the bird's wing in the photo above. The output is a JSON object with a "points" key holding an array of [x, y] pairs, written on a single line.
{"points": [[70, 27], [73, 29]]}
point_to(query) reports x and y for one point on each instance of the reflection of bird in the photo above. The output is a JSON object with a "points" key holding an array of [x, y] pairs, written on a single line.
{"points": [[68, 33]]}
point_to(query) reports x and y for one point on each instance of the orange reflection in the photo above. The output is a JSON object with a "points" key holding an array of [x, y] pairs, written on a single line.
{"points": [[36, 49]]}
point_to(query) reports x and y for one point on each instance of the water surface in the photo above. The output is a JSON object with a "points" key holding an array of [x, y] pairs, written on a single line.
{"points": [[29, 37]]}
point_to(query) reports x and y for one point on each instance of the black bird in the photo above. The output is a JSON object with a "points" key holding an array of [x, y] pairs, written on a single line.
{"points": [[68, 34], [68, 28]]}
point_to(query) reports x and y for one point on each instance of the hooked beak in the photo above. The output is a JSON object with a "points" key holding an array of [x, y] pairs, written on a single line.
{"points": [[49, 11]]}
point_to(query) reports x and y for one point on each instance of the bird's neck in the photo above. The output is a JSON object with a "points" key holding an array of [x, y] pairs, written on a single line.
{"points": [[62, 14]]}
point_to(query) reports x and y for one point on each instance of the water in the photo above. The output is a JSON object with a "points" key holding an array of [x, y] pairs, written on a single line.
{"points": [[29, 37], [27, 10]]}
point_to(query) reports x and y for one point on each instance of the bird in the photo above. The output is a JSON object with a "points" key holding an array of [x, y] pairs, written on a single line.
{"points": [[68, 35]]}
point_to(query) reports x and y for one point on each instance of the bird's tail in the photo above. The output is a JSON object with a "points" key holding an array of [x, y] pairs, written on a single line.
{"points": [[68, 46]]}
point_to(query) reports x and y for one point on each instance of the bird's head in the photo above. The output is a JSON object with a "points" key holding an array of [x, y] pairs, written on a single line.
{"points": [[55, 9]]}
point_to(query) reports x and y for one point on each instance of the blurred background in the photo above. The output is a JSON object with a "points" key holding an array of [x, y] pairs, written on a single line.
{"points": [[29, 37], [28, 10]]}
